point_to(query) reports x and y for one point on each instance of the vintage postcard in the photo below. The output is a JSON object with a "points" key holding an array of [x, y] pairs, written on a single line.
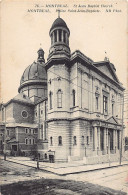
{"points": [[63, 97]]}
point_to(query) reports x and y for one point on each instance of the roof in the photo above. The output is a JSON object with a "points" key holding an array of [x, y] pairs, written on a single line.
{"points": [[13, 140], [41, 100], [35, 71], [104, 68], [59, 22], [112, 120], [21, 97], [27, 125]]}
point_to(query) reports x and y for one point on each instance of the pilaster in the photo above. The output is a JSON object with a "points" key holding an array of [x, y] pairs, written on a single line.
{"points": [[95, 138], [99, 138], [105, 139]]}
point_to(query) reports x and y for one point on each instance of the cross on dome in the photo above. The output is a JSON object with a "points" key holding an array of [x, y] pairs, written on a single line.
{"points": [[58, 13]]}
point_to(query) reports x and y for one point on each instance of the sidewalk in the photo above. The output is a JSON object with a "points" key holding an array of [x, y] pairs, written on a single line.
{"points": [[63, 168]]}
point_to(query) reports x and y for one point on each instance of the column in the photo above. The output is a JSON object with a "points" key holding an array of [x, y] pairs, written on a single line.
{"points": [[101, 98], [93, 94], [53, 37], [57, 35], [99, 138], [44, 131], [105, 140], [114, 140], [119, 139], [95, 138], [66, 38], [62, 36]]}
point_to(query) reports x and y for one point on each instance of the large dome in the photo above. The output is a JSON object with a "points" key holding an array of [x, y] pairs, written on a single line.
{"points": [[59, 22], [33, 82], [34, 72]]}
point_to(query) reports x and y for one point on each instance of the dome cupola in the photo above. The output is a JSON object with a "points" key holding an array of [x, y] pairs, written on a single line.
{"points": [[40, 56]]}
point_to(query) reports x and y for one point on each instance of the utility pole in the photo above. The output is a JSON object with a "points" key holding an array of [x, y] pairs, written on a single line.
{"points": [[5, 134], [122, 130]]}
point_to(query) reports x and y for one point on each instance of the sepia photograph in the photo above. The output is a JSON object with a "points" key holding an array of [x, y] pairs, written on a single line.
{"points": [[63, 97]]}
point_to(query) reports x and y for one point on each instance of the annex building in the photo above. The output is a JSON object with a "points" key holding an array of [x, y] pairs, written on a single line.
{"points": [[67, 109]]}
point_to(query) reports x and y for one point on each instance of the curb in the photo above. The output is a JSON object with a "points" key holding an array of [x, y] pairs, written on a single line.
{"points": [[63, 174]]}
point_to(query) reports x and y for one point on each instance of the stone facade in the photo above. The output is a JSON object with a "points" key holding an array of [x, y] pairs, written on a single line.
{"points": [[70, 110]]}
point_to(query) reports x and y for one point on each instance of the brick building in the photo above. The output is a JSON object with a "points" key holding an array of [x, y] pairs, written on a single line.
{"points": [[67, 108]]}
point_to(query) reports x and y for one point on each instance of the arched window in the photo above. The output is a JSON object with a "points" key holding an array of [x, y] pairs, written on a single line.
{"points": [[50, 99], [87, 140], [82, 140], [74, 140], [59, 98], [30, 141], [45, 156], [26, 141], [73, 97], [51, 141], [105, 104], [59, 140], [97, 103]]}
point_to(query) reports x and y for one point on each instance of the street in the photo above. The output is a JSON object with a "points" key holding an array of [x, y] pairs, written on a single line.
{"points": [[115, 178], [20, 179]]}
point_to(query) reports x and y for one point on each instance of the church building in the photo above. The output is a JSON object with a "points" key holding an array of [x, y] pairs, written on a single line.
{"points": [[67, 109]]}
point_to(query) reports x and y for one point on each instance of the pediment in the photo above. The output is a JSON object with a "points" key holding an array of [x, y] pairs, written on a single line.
{"points": [[112, 120], [107, 70]]}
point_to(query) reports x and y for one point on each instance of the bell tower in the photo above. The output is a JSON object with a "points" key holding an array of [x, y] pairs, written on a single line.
{"points": [[59, 34], [58, 74]]}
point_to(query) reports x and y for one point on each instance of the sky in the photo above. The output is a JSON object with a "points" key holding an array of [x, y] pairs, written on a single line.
{"points": [[23, 32]]}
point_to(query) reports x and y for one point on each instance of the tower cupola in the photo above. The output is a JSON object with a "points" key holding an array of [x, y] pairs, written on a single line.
{"points": [[40, 55], [59, 34]]}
